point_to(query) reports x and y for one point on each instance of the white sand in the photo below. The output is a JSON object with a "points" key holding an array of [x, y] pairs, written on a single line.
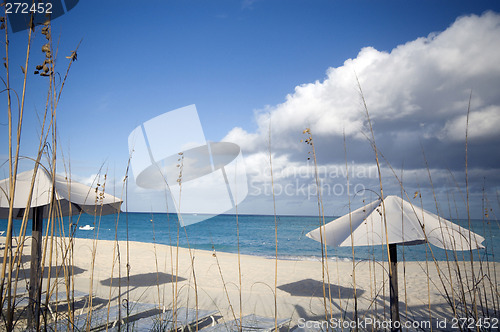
{"points": [[299, 293]]}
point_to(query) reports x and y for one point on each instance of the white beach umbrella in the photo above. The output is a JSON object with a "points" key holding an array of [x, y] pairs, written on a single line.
{"points": [[82, 197], [70, 198], [406, 224]]}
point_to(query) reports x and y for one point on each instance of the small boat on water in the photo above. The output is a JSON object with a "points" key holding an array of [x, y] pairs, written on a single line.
{"points": [[86, 228]]}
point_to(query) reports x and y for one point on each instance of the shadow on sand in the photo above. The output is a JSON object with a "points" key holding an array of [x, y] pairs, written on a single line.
{"points": [[314, 288], [55, 271], [142, 280]]}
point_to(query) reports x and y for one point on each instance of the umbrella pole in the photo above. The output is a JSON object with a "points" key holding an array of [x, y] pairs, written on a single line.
{"points": [[36, 251], [393, 281]]}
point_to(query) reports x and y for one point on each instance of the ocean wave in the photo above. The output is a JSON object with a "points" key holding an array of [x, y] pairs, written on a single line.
{"points": [[307, 258]]}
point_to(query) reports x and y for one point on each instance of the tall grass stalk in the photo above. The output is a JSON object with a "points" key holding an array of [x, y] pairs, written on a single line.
{"points": [[191, 256], [355, 317], [403, 247], [376, 152], [467, 286], [429, 305], [13, 160], [395, 309], [325, 274], [442, 235], [156, 259], [97, 222], [224, 285], [461, 296], [115, 260], [275, 233], [474, 299], [486, 218], [13, 166], [452, 301], [441, 277], [239, 266], [125, 188], [477, 290], [68, 249]]}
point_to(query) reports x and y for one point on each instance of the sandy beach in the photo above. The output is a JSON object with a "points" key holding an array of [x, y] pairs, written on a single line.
{"points": [[299, 284]]}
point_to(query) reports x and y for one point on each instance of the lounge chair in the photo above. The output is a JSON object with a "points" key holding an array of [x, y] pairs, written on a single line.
{"points": [[22, 300], [249, 323], [184, 318], [103, 318]]}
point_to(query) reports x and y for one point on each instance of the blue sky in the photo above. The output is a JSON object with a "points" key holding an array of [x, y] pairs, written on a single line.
{"points": [[241, 62]]}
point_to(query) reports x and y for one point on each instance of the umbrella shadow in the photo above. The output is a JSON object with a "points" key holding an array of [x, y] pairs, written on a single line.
{"points": [[55, 271], [314, 288], [142, 280], [24, 258]]}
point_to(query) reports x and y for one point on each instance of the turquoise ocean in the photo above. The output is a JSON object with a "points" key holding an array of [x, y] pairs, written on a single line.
{"points": [[257, 236]]}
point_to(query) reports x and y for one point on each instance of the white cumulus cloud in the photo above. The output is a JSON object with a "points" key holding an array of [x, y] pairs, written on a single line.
{"points": [[417, 96], [422, 84]]}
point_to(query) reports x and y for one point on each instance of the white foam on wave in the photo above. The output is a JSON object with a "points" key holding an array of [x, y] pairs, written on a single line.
{"points": [[308, 258]]}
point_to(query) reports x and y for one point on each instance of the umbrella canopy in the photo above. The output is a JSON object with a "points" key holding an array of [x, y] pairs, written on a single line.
{"points": [[71, 197], [406, 224], [81, 197]]}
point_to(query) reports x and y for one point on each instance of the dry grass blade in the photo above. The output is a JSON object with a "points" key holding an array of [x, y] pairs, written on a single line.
{"points": [[275, 235], [355, 317]]}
